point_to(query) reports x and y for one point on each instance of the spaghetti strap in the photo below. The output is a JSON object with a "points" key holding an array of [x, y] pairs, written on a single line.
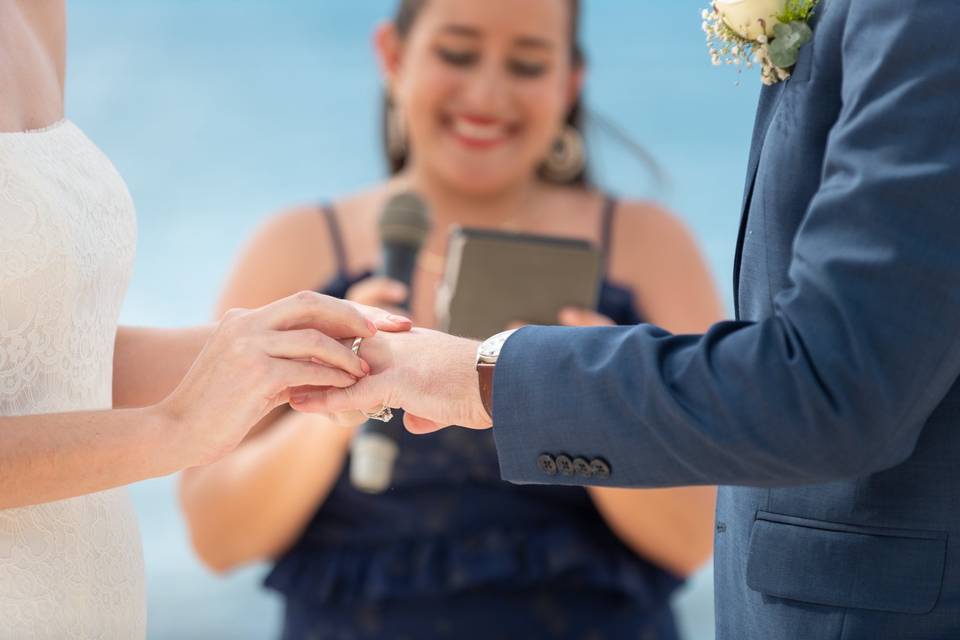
{"points": [[606, 231], [336, 236]]}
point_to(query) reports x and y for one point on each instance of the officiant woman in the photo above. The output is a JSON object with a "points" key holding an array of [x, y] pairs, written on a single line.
{"points": [[483, 118]]}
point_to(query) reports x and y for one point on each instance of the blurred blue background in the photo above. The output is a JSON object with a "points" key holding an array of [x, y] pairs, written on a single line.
{"points": [[219, 112]]}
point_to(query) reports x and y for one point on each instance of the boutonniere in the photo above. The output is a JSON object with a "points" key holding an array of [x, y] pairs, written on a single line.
{"points": [[767, 33]]}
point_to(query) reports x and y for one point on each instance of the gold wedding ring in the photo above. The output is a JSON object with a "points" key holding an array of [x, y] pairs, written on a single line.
{"points": [[384, 413]]}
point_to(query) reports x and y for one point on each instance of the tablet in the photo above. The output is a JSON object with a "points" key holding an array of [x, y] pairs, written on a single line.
{"points": [[494, 278]]}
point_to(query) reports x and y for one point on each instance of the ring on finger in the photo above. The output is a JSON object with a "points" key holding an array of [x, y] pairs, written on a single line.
{"points": [[384, 413]]}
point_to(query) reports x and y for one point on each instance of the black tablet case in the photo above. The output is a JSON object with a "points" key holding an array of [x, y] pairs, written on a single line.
{"points": [[493, 278]]}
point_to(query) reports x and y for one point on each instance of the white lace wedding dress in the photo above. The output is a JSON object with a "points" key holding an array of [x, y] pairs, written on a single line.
{"points": [[73, 568]]}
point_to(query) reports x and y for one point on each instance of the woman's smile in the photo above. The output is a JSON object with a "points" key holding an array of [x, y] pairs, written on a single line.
{"points": [[479, 132]]}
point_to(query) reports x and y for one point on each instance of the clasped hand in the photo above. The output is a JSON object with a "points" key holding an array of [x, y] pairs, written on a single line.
{"points": [[430, 375]]}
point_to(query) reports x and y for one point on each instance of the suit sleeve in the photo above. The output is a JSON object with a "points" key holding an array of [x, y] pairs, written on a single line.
{"points": [[840, 379]]}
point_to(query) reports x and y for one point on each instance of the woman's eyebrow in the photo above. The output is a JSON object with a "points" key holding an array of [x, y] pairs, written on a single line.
{"points": [[533, 42], [527, 42], [461, 30]]}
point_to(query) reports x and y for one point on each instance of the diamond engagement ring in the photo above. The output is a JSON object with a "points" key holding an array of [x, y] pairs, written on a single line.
{"points": [[384, 413]]}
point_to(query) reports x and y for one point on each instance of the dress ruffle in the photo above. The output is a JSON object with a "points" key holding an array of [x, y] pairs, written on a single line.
{"points": [[344, 574]]}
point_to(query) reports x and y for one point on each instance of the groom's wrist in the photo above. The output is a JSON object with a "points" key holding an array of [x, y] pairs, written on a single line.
{"points": [[480, 410], [452, 379]]}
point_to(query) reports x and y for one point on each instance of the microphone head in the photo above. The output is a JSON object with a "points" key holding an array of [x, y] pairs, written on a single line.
{"points": [[405, 220], [372, 457]]}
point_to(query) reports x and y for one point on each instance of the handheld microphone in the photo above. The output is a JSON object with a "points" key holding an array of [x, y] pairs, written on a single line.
{"points": [[404, 226]]}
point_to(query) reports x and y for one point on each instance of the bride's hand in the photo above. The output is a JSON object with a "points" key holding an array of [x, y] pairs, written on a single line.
{"points": [[253, 358]]}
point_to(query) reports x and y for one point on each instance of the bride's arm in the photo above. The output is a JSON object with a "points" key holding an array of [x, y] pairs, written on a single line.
{"points": [[51, 457], [241, 375], [244, 371], [149, 363]]}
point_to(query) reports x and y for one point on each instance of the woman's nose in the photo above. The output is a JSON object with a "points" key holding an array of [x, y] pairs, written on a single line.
{"points": [[487, 89]]}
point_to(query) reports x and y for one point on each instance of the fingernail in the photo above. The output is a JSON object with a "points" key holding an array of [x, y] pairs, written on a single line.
{"points": [[365, 367], [298, 399], [399, 319], [371, 327]]}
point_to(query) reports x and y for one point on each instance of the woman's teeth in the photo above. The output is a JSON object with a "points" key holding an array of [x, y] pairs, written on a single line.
{"points": [[476, 131]]}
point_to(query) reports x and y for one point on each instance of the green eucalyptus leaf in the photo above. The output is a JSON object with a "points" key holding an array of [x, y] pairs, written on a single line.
{"points": [[782, 56], [781, 30], [803, 31], [792, 35], [788, 38]]}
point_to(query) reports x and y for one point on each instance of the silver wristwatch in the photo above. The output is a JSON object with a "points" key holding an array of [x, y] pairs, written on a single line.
{"points": [[487, 355]]}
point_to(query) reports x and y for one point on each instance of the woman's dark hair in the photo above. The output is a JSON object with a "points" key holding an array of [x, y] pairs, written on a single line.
{"points": [[406, 16]]}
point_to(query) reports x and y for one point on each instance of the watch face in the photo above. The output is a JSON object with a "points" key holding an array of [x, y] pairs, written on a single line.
{"points": [[490, 349]]}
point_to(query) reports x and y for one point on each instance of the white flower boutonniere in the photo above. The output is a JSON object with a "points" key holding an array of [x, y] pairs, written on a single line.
{"points": [[768, 33]]}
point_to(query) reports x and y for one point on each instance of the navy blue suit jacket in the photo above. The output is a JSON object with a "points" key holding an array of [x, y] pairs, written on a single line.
{"points": [[831, 403]]}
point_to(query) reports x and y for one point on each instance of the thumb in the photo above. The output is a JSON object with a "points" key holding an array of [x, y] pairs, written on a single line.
{"points": [[574, 317], [393, 323], [334, 400], [420, 426], [317, 401], [384, 320]]}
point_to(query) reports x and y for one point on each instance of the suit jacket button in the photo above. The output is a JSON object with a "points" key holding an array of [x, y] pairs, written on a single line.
{"points": [[565, 465], [582, 467], [600, 468], [547, 464]]}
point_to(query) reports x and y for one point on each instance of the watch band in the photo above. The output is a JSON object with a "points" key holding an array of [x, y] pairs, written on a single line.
{"points": [[487, 355], [485, 376]]}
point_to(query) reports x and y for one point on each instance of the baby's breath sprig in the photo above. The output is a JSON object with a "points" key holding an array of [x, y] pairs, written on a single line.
{"points": [[726, 45], [775, 55]]}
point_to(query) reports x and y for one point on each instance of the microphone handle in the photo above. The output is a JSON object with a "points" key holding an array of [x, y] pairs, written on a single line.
{"points": [[399, 262], [375, 446]]}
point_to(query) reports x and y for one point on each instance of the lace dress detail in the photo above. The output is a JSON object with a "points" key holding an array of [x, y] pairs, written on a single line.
{"points": [[72, 568]]}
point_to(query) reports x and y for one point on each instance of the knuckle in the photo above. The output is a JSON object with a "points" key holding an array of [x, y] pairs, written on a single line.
{"points": [[234, 314], [232, 319], [307, 297], [235, 323]]}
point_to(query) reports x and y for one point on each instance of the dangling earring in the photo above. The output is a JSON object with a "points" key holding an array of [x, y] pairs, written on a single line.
{"points": [[396, 132], [567, 156]]}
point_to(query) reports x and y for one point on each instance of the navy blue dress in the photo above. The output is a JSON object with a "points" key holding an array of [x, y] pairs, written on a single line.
{"points": [[453, 551]]}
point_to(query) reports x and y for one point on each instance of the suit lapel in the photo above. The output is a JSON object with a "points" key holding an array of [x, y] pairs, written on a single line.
{"points": [[769, 100]]}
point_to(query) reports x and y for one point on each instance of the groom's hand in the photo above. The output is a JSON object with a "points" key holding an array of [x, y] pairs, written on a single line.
{"points": [[430, 375]]}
